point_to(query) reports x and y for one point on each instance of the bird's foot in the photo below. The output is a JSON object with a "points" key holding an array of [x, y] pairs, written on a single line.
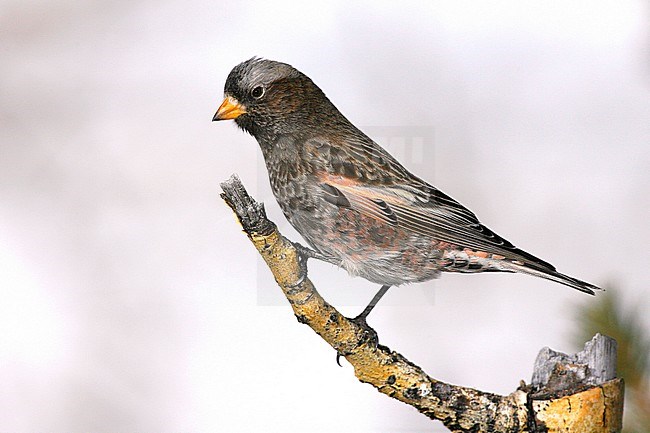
{"points": [[304, 254], [308, 253], [367, 335], [302, 264]]}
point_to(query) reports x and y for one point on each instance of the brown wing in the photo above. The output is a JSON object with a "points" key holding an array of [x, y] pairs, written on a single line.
{"points": [[366, 178]]}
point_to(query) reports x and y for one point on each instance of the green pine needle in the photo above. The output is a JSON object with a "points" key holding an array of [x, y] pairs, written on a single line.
{"points": [[608, 316]]}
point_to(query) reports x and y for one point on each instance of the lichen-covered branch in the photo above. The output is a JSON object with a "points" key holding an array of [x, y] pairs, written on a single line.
{"points": [[461, 409]]}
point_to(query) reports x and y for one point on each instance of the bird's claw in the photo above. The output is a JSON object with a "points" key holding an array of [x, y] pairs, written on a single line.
{"points": [[338, 358], [302, 264], [368, 336]]}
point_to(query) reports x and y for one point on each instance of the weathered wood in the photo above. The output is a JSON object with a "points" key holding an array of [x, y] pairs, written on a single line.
{"points": [[577, 393], [594, 365], [598, 409], [563, 385]]}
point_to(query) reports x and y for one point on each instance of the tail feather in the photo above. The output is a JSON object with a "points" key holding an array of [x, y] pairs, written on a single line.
{"points": [[553, 275]]}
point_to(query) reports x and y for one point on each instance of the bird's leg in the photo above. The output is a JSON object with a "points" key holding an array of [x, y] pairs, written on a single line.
{"points": [[305, 253], [362, 317], [360, 320]]}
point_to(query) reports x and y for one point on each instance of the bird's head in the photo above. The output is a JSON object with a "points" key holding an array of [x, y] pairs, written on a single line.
{"points": [[268, 98]]}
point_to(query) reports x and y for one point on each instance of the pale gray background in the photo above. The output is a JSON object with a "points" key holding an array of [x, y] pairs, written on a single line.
{"points": [[128, 295]]}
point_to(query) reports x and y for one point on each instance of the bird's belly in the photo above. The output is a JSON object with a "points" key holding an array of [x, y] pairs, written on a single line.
{"points": [[379, 252]]}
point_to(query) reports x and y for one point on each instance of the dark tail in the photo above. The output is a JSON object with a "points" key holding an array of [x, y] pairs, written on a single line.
{"points": [[553, 275]]}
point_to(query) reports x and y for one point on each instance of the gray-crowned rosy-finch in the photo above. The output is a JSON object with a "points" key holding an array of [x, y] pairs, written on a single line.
{"points": [[355, 204]]}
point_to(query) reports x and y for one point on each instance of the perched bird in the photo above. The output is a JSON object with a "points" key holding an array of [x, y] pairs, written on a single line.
{"points": [[355, 204]]}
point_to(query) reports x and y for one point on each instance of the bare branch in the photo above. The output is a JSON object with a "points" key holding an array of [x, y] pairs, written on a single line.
{"points": [[461, 409]]}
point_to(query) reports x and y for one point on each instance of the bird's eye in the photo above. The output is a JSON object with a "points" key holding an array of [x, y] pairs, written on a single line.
{"points": [[257, 92]]}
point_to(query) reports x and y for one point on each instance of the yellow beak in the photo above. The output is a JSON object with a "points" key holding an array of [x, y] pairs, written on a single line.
{"points": [[230, 108]]}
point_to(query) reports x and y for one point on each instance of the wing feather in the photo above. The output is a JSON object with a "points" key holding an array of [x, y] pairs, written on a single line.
{"points": [[375, 184], [383, 189], [441, 221]]}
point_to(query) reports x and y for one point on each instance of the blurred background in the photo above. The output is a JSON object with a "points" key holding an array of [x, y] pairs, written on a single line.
{"points": [[131, 301]]}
